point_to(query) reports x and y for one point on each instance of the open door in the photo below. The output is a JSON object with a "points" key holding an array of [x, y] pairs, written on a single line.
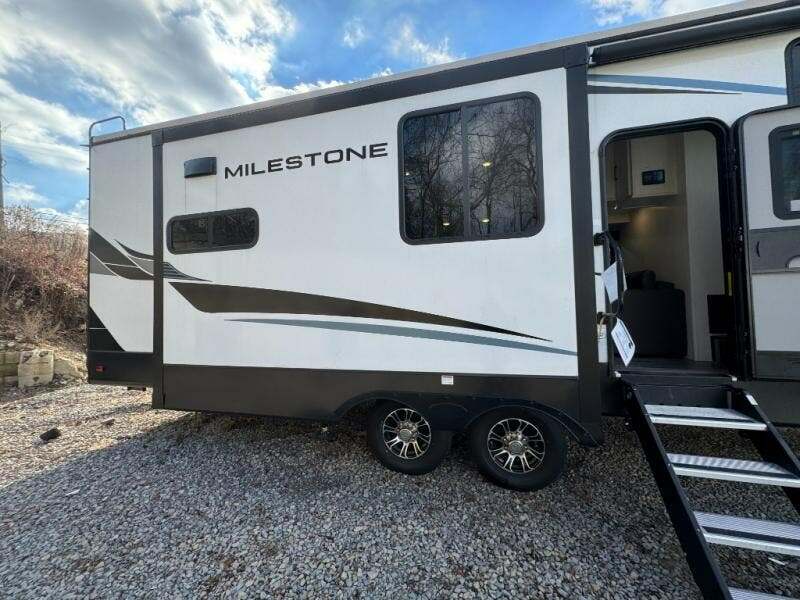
{"points": [[769, 151]]}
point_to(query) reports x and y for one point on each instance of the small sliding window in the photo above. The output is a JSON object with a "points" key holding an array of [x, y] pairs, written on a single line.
{"points": [[471, 171], [784, 156], [214, 231]]}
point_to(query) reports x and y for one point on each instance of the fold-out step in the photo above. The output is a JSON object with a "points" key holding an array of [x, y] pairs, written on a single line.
{"points": [[738, 594], [700, 416], [729, 469], [753, 534]]}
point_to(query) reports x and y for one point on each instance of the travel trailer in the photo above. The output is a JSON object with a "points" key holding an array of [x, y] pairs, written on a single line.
{"points": [[511, 246]]}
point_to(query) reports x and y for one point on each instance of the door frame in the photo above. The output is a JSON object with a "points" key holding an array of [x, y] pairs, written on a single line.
{"points": [[731, 214]]}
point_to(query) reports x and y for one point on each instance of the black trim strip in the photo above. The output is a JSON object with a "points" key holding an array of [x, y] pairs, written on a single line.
{"points": [[692, 37], [212, 298], [610, 89], [328, 394], [381, 91], [590, 400]]}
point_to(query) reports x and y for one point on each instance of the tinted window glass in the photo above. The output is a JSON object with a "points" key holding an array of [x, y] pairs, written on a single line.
{"points": [[785, 159], [189, 234], [501, 142], [472, 172], [235, 229], [223, 230], [433, 176]]}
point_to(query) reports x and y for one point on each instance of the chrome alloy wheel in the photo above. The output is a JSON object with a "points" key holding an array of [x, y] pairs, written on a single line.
{"points": [[516, 445], [406, 433]]}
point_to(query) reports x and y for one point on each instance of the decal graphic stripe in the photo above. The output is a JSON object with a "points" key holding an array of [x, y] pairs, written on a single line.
{"points": [[107, 260], [707, 84], [618, 89], [412, 332], [134, 253], [103, 250], [214, 298], [97, 267]]}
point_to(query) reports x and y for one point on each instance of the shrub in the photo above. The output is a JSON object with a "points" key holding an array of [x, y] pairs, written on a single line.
{"points": [[42, 275]]}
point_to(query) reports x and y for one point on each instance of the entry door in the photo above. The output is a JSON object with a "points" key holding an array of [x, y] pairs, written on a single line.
{"points": [[769, 143]]}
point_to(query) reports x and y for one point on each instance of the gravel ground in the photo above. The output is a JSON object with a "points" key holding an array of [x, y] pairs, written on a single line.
{"points": [[159, 503]]}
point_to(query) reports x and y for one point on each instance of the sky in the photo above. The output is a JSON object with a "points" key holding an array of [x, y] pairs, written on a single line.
{"points": [[66, 63]]}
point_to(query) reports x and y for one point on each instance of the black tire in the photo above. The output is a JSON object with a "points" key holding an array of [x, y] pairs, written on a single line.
{"points": [[425, 462], [548, 436]]}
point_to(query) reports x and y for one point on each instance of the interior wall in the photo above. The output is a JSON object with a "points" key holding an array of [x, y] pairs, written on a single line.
{"points": [[706, 270], [680, 238]]}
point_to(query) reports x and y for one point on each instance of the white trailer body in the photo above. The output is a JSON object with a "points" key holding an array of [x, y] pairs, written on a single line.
{"points": [[324, 301]]}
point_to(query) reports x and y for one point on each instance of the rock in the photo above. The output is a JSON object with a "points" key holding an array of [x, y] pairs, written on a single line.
{"points": [[35, 368], [64, 368], [50, 434], [107, 422]]}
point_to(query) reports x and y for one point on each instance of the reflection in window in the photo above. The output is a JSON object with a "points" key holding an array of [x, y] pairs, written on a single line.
{"points": [[187, 235], [472, 172], [501, 142], [224, 230], [785, 159], [433, 176], [234, 228]]}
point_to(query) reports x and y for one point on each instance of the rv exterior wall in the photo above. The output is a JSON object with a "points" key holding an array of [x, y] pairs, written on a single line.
{"points": [[333, 230], [121, 212]]}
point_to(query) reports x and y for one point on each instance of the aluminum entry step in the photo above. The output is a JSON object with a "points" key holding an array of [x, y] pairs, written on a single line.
{"points": [[729, 469], [753, 534], [738, 594], [700, 416]]}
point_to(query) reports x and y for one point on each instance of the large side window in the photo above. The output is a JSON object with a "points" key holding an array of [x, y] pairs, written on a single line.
{"points": [[223, 230], [784, 156], [472, 172], [793, 72]]}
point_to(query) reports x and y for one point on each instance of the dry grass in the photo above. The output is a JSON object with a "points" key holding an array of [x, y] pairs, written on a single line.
{"points": [[42, 277]]}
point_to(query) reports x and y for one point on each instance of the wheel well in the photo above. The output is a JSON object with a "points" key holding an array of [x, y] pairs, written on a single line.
{"points": [[460, 413]]}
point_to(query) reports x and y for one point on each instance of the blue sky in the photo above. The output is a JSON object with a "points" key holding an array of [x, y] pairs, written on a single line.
{"points": [[66, 63]]}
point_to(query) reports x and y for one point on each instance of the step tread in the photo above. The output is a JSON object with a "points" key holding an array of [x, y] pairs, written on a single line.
{"points": [[702, 416], [739, 594], [731, 469], [755, 534]]}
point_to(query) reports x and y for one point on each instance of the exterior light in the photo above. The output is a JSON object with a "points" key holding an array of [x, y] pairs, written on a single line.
{"points": [[445, 223], [407, 174], [487, 163], [485, 220]]}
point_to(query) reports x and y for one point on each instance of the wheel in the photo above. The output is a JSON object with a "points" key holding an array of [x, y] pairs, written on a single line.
{"points": [[518, 448], [403, 440]]}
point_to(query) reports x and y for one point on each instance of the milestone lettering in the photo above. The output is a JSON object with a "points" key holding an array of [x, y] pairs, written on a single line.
{"points": [[312, 159]]}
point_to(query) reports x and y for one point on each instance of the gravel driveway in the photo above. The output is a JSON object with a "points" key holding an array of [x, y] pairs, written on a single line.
{"points": [[159, 503]]}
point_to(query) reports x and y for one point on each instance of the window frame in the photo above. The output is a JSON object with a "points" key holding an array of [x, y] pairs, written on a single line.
{"points": [[462, 106], [211, 216], [776, 173], [792, 73]]}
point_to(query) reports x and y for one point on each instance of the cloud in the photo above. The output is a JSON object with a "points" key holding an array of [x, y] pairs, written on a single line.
{"points": [[408, 45], [17, 193], [45, 133], [155, 59], [611, 12], [354, 33]]}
